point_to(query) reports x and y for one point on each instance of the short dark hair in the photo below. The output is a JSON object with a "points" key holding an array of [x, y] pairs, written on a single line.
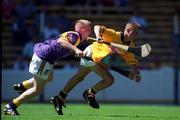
{"points": [[136, 25]]}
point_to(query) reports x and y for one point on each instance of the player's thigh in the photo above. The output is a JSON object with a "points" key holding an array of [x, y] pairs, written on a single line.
{"points": [[102, 71], [82, 72]]}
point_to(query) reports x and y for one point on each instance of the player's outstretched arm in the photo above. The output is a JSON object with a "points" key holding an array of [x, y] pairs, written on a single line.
{"points": [[97, 31], [71, 47], [141, 51]]}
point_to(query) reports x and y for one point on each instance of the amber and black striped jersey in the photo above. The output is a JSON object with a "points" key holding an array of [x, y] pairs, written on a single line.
{"points": [[102, 50]]}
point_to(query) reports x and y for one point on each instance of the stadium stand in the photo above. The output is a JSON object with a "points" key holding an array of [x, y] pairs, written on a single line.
{"points": [[158, 13]]}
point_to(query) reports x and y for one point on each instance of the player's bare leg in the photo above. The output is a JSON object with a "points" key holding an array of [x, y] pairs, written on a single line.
{"points": [[57, 101], [78, 77], [21, 87], [38, 86], [107, 80]]}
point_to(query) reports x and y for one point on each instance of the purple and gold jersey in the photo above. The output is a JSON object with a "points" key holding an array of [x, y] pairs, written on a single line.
{"points": [[50, 50]]}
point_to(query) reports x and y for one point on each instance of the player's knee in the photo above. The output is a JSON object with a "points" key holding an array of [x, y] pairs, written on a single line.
{"points": [[110, 81], [38, 90]]}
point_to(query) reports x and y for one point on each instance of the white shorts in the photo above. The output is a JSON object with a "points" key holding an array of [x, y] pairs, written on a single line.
{"points": [[86, 62], [40, 67]]}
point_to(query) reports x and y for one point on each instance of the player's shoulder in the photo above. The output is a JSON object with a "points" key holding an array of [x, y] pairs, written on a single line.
{"points": [[110, 29], [72, 36], [71, 33]]}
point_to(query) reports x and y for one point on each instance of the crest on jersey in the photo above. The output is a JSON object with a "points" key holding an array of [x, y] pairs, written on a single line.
{"points": [[72, 38]]}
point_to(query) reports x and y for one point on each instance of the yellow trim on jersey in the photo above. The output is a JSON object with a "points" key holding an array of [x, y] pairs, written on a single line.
{"points": [[77, 42], [64, 36], [110, 35]]}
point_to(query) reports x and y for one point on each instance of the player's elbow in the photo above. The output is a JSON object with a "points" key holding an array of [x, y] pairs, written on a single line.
{"points": [[97, 30], [62, 42]]}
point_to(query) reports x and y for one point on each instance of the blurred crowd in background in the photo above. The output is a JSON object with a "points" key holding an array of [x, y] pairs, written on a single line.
{"points": [[26, 36]]}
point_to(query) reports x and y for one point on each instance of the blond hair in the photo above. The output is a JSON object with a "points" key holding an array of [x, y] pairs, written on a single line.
{"points": [[82, 23]]}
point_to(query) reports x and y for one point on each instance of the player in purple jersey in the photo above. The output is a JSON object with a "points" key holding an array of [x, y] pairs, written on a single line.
{"points": [[41, 66]]}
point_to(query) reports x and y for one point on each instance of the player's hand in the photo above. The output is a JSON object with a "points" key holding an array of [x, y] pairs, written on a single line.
{"points": [[100, 39], [137, 76], [136, 73], [131, 75], [134, 76]]}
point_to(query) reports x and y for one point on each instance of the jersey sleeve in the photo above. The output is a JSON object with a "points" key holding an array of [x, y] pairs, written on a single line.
{"points": [[71, 37], [101, 50], [129, 57], [110, 35]]}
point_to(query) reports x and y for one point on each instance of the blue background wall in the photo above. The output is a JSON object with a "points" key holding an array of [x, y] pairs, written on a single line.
{"points": [[156, 86]]}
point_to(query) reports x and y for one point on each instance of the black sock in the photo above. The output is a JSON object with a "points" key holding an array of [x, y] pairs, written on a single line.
{"points": [[62, 94], [21, 86], [92, 90]]}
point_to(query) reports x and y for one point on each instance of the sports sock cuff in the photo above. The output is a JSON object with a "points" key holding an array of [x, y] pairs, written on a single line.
{"points": [[12, 105], [62, 94], [16, 102], [22, 86], [93, 90]]}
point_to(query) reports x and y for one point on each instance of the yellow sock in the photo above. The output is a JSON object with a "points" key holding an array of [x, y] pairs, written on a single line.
{"points": [[16, 102], [27, 84]]}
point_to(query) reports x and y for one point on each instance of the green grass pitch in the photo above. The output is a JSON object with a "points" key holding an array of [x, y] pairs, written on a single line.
{"points": [[30, 111]]}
